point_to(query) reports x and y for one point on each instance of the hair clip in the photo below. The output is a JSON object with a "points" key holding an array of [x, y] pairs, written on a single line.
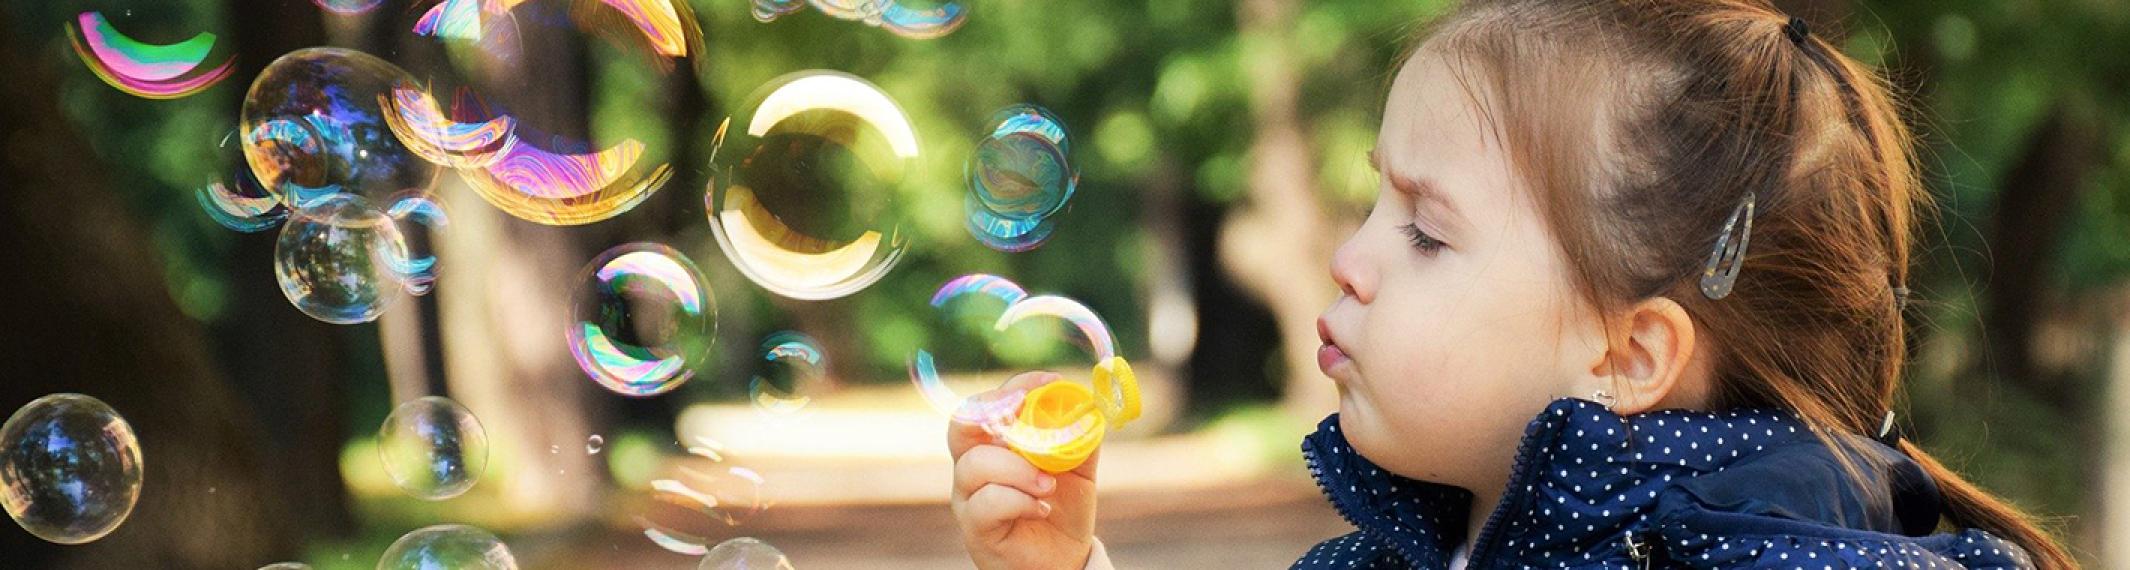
{"points": [[1798, 30], [1721, 271], [1887, 432]]}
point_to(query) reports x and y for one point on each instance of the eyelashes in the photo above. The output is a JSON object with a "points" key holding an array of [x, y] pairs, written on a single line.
{"points": [[1425, 243]]}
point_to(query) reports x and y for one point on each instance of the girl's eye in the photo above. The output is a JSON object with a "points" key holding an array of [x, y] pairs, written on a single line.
{"points": [[1426, 243]]}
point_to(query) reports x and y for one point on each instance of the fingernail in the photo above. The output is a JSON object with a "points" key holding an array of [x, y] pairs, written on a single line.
{"points": [[1044, 483], [1042, 508]]}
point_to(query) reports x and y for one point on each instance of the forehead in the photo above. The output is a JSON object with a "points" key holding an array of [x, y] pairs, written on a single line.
{"points": [[1436, 127]]}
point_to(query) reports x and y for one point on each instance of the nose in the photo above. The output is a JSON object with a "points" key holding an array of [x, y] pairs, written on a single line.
{"points": [[1350, 270]]}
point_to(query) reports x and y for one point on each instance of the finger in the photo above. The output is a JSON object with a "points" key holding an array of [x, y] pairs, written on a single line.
{"points": [[962, 435], [995, 506], [994, 465]]}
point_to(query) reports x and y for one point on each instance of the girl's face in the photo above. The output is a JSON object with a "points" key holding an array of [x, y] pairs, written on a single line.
{"points": [[1457, 321]]}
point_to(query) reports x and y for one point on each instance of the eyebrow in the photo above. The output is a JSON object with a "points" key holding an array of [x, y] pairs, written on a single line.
{"points": [[1420, 189]]}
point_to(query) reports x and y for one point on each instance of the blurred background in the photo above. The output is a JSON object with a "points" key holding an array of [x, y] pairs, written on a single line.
{"points": [[1221, 151]]}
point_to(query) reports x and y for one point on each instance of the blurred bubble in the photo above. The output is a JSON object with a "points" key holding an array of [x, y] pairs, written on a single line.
{"points": [[153, 71], [1018, 178], [342, 261], [286, 566], [453, 546], [70, 468], [793, 367], [314, 125], [745, 553], [234, 197], [433, 448], [642, 320], [895, 16], [593, 444], [504, 132], [348, 7], [804, 183], [702, 499], [954, 297]]}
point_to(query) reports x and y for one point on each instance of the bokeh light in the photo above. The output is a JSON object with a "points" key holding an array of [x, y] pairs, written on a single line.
{"points": [[70, 468]]}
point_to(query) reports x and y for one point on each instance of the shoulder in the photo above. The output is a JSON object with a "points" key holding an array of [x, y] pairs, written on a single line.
{"points": [[1354, 550]]}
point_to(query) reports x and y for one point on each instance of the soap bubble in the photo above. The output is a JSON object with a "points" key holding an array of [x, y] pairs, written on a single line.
{"points": [[453, 546], [1019, 177], [154, 71], [642, 319], [804, 184], [1020, 169], [593, 444], [527, 148], [700, 501], [342, 261], [348, 7], [894, 16], [286, 566], [234, 198], [990, 316], [70, 468], [314, 125], [433, 448], [745, 553], [793, 368]]}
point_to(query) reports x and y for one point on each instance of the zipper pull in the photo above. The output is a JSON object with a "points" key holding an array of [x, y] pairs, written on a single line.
{"points": [[1637, 550]]}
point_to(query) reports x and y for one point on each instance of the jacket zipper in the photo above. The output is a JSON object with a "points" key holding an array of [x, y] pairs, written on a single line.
{"points": [[1483, 548]]}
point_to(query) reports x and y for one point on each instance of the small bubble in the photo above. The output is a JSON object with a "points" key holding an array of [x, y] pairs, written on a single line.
{"points": [[643, 320], [70, 468], [745, 553], [433, 448], [593, 444], [458, 547]]}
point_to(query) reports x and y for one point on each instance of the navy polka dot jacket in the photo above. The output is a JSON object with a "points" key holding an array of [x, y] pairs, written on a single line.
{"points": [[1669, 489]]}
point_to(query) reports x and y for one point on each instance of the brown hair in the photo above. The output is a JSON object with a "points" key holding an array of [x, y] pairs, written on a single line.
{"points": [[1698, 103]]}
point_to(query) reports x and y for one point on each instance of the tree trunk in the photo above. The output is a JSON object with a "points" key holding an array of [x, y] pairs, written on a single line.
{"points": [[1278, 242]]}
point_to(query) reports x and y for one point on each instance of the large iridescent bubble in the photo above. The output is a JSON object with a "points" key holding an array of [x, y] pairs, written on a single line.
{"points": [[314, 125], [453, 546], [70, 468], [642, 319], [433, 448], [530, 149], [804, 185]]}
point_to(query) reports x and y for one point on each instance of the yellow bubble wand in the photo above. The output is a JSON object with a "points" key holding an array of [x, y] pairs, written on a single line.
{"points": [[1080, 413]]}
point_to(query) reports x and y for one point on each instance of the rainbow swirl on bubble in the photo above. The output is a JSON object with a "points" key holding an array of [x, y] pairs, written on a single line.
{"points": [[143, 69]]}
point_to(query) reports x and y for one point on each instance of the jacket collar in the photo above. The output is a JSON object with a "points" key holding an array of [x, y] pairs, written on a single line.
{"points": [[1585, 477]]}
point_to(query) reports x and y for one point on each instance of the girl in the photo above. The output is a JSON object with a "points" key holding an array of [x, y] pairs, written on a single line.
{"points": [[1674, 232]]}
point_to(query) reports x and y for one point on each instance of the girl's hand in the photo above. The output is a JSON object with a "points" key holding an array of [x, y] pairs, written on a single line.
{"points": [[1012, 515]]}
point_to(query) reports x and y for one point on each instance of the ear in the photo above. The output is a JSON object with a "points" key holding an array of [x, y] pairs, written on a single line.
{"points": [[1649, 362]]}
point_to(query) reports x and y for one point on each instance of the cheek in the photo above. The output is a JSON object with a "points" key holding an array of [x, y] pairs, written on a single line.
{"points": [[1456, 363]]}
